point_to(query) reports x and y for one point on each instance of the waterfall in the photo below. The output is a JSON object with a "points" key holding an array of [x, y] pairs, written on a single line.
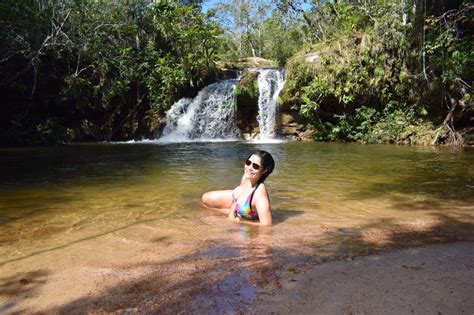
{"points": [[270, 83], [208, 116]]}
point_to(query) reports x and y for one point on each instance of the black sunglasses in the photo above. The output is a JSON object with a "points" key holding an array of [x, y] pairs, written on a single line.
{"points": [[255, 166]]}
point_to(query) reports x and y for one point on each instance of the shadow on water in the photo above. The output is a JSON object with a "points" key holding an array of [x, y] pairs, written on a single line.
{"points": [[221, 277], [459, 189], [85, 164], [76, 241], [21, 285], [227, 275], [281, 215], [436, 176]]}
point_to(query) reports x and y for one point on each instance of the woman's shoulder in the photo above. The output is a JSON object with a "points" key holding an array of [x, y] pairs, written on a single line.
{"points": [[261, 189]]}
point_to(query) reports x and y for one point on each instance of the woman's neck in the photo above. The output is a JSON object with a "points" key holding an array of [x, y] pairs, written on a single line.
{"points": [[252, 182]]}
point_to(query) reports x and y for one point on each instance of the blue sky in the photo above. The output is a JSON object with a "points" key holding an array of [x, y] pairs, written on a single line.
{"points": [[208, 4]]}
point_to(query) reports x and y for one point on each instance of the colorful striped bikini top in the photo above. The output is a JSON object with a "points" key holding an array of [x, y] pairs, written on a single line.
{"points": [[245, 210]]}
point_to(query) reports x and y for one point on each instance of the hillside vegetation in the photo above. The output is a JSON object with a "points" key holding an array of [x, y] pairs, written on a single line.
{"points": [[380, 74], [98, 70], [370, 71]]}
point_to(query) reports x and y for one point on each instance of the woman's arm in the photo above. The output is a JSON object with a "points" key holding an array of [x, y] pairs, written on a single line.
{"points": [[231, 215], [262, 204]]}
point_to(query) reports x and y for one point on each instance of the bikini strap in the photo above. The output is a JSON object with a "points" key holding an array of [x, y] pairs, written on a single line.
{"points": [[251, 196]]}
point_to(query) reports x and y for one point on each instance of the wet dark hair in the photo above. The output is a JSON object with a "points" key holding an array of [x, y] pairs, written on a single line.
{"points": [[267, 161]]}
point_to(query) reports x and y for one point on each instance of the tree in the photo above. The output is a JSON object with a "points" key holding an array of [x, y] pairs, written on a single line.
{"points": [[95, 67], [243, 21]]}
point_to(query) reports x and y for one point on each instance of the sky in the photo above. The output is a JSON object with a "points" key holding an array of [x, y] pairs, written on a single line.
{"points": [[209, 4]]}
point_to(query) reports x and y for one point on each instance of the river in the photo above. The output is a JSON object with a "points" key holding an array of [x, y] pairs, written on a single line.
{"points": [[120, 226]]}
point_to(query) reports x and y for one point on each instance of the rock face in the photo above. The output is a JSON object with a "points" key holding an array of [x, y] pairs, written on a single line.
{"points": [[245, 63], [291, 125], [247, 104]]}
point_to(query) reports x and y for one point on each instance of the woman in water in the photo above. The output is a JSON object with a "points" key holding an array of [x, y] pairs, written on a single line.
{"points": [[249, 201]]}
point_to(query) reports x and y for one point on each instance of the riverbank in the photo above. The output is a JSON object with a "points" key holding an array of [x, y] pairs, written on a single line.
{"points": [[426, 280], [436, 279]]}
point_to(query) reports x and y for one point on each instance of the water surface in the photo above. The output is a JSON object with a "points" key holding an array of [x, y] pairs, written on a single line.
{"points": [[123, 214]]}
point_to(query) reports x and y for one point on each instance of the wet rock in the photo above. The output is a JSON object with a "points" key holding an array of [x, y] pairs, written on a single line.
{"points": [[308, 135], [153, 123], [250, 136], [247, 103], [292, 127]]}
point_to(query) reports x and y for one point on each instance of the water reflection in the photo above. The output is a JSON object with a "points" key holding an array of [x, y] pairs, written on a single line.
{"points": [[336, 184], [132, 206]]}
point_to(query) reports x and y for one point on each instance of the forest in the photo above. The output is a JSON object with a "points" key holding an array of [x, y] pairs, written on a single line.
{"points": [[372, 71]]}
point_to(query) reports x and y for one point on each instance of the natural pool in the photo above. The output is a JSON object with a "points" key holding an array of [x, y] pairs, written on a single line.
{"points": [[120, 226]]}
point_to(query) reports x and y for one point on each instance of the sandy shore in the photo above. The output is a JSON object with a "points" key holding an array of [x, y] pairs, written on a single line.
{"points": [[436, 279]]}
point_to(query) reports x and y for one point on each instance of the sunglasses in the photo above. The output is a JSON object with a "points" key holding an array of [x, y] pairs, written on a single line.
{"points": [[255, 166]]}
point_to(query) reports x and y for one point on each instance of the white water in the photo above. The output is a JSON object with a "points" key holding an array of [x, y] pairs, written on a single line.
{"points": [[208, 116], [270, 84]]}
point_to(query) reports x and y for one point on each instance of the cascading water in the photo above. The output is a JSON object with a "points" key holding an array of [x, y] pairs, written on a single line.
{"points": [[270, 84], [208, 116]]}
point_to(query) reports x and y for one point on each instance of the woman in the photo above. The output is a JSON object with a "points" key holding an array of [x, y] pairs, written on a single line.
{"points": [[249, 201]]}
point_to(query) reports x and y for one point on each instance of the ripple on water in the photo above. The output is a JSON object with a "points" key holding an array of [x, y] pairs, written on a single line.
{"points": [[130, 205]]}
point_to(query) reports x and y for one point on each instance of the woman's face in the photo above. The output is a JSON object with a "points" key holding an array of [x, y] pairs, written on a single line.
{"points": [[253, 168]]}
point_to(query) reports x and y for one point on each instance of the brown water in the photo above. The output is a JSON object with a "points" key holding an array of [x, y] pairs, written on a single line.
{"points": [[120, 226]]}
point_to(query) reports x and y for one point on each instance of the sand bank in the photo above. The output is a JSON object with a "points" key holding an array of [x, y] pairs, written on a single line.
{"points": [[437, 279]]}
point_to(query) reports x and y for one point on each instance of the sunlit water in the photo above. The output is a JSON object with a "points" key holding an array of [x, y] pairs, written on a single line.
{"points": [[109, 217]]}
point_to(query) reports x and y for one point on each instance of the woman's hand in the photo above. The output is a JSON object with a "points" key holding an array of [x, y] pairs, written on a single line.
{"points": [[232, 216], [234, 219]]}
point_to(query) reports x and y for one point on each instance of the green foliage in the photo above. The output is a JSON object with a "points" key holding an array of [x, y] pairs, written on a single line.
{"points": [[47, 132], [248, 86], [281, 39], [399, 125], [368, 63], [393, 125], [450, 51], [357, 127], [257, 29], [98, 61], [50, 132], [366, 78], [370, 71]]}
